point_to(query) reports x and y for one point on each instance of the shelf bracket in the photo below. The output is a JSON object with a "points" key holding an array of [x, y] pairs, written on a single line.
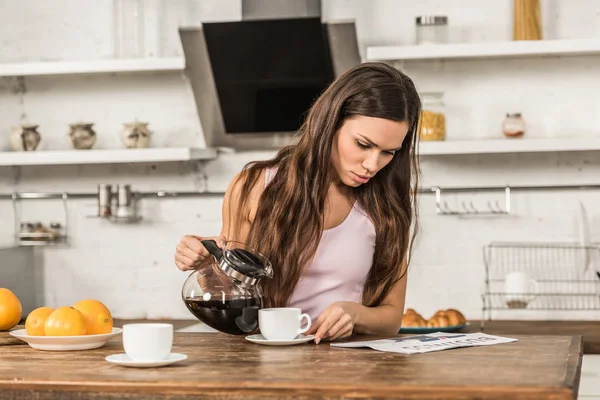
{"points": [[200, 176], [15, 84]]}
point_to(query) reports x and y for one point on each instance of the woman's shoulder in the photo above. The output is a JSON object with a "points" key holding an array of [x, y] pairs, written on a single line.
{"points": [[247, 183], [241, 199]]}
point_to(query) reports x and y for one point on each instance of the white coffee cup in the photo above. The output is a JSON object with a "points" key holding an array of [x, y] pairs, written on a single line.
{"points": [[519, 287], [282, 323], [147, 342]]}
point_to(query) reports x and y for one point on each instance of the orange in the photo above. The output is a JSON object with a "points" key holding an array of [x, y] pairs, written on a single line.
{"points": [[65, 321], [34, 324], [97, 316], [10, 310]]}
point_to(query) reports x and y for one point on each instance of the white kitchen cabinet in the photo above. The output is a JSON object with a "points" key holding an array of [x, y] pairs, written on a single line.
{"points": [[589, 386]]}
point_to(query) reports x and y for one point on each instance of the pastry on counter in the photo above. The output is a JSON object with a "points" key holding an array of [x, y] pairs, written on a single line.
{"points": [[441, 319], [438, 321], [454, 317], [413, 319]]}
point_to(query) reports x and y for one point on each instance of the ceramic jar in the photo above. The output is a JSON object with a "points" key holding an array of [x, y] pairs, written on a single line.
{"points": [[82, 136], [25, 137], [513, 125], [136, 135]]}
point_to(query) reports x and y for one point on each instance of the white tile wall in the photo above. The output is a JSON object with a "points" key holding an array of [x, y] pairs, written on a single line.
{"points": [[130, 267]]}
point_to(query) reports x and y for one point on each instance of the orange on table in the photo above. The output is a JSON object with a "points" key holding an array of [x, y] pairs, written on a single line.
{"points": [[98, 318], [10, 309], [65, 321], [34, 324]]}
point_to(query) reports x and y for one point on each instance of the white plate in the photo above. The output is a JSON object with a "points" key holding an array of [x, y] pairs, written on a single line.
{"points": [[65, 343], [260, 339], [124, 360]]}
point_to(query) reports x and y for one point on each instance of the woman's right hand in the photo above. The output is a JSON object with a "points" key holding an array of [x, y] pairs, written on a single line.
{"points": [[191, 253]]}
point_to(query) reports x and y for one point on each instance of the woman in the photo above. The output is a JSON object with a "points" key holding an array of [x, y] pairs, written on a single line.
{"points": [[334, 214]]}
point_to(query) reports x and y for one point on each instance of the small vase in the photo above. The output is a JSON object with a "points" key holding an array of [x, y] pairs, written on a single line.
{"points": [[25, 138], [82, 136], [136, 135]]}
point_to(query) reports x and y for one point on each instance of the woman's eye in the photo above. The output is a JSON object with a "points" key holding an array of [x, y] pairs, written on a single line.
{"points": [[391, 153], [362, 145]]}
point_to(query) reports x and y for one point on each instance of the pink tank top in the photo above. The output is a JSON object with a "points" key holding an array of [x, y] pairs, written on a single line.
{"points": [[340, 265]]}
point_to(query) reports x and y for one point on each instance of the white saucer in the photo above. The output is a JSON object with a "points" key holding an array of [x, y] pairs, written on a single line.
{"points": [[260, 339], [124, 360]]}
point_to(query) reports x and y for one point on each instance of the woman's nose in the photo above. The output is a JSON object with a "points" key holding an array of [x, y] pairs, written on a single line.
{"points": [[370, 163]]}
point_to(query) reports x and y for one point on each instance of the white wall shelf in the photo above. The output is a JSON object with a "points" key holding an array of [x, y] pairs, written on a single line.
{"points": [[105, 156], [529, 48], [92, 66], [499, 146]]}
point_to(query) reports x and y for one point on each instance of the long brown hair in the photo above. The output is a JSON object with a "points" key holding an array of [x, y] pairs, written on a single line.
{"points": [[289, 219]]}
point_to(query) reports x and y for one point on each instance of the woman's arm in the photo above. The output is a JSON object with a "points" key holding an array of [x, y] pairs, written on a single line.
{"points": [[343, 318], [191, 253], [387, 317]]}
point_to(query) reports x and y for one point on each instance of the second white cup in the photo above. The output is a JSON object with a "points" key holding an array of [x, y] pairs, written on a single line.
{"points": [[282, 323], [147, 342], [520, 289]]}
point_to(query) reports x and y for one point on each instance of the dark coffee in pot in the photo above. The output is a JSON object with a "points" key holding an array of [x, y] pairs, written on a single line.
{"points": [[235, 317]]}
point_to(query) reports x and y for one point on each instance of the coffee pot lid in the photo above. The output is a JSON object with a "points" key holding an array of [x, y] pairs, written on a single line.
{"points": [[240, 262]]}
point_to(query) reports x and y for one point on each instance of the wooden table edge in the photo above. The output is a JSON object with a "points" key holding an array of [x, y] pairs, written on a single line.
{"points": [[215, 388], [574, 364]]}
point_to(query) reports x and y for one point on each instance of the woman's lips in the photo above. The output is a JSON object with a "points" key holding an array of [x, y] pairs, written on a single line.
{"points": [[359, 178]]}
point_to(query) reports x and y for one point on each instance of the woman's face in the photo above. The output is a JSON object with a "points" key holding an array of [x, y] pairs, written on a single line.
{"points": [[363, 146]]}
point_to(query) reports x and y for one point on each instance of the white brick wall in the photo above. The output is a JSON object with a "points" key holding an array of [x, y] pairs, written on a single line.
{"points": [[131, 268]]}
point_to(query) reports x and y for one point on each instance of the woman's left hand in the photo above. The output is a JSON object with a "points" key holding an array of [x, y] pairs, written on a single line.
{"points": [[337, 321]]}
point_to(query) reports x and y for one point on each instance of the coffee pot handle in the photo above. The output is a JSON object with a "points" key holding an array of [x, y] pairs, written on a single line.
{"points": [[212, 248]]}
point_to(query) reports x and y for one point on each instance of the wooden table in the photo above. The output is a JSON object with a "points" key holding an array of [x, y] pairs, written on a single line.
{"points": [[590, 330], [228, 367]]}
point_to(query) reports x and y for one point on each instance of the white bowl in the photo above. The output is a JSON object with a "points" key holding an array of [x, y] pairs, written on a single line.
{"points": [[65, 343]]}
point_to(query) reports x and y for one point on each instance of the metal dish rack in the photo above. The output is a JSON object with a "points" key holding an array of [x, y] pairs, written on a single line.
{"points": [[567, 276], [48, 238]]}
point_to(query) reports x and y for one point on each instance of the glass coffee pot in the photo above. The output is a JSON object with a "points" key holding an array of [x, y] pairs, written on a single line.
{"points": [[225, 294]]}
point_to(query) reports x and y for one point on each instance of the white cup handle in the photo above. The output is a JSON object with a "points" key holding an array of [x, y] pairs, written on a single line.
{"points": [[308, 323], [534, 284]]}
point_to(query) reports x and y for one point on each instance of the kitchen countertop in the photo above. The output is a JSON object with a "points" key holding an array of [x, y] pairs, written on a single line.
{"points": [[589, 330], [229, 367]]}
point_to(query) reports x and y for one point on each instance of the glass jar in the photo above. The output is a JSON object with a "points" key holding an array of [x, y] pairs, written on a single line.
{"points": [[513, 125], [527, 20], [432, 29], [433, 121]]}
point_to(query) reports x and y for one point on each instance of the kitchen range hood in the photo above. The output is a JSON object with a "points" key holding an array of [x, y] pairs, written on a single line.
{"points": [[254, 80]]}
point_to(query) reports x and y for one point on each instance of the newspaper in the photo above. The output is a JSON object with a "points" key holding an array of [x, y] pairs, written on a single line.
{"points": [[429, 342]]}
